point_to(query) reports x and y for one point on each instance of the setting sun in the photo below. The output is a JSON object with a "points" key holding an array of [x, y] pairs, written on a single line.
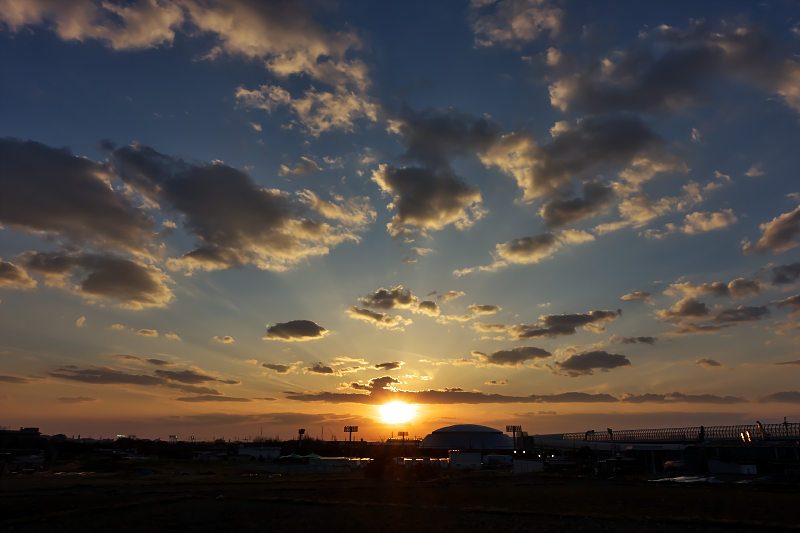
{"points": [[397, 412]]}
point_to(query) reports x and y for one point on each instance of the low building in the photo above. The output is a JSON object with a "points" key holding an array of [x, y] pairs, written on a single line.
{"points": [[261, 453], [462, 460]]}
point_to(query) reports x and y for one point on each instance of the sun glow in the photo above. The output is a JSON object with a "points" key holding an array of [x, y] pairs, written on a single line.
{"points": [[397, 412]]}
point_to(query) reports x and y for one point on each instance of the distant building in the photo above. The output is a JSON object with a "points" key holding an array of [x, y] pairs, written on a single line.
{"points": [[468, 437]]}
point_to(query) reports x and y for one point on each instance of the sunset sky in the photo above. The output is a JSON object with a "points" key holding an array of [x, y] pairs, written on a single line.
{"points": [[222, 216]]}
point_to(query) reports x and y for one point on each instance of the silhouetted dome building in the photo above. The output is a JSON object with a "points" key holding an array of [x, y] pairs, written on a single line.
{"points": [[467, 437]]}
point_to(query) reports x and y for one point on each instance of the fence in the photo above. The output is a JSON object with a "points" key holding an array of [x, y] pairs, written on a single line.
{"points": [[766, 431]]}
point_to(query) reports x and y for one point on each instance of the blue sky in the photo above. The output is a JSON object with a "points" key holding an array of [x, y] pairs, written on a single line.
{"points": [[469, 207]]}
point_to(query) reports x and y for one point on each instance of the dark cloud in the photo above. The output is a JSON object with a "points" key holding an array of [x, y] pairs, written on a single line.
{"points": [[295, 330], [395, 298], [615, 339], [393, 365], [785, 274], [791, 301], [148, 332], [4, 378], [279, 368], [51, 190], [484, 309], [234, 220], [667, 69], [156, 362], [708, 363], [495, 382], [192, 377], [592, 321], [523, 331], [778, 235], [101, 275], [428, 307], [596, 196], [75, 399], [379, 395], [583, 364], [743, 313], [14, 277], [512, 357], [160, 362], [686, 308], [434, 137], [675, 397], [319, 368], [781, 397], [690, 328], [553, 325], [796, 362], [194, 389], [427, 199], [638, 295], [207, 398], [381, 320], [576, 150], [100, 375]]}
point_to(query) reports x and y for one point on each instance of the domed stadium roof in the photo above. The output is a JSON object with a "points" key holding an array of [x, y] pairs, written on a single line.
{"points": [[468, 437]]}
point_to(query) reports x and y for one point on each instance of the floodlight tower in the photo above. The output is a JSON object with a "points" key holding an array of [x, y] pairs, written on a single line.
{"points": [[514, 430], [351, 430], [300, 433]]}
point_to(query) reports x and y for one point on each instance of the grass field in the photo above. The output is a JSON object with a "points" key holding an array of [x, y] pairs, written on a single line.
{"points": [[242, 499]]}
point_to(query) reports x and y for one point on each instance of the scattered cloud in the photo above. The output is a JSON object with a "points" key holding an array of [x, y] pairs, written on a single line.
{"points": [[380, 320], [148, 332], [227, 339], [777, 236], [755, 171], [305, 167], [528, 250], [14, 277], [81, 322], [616, 339], [494, 382], [450, 295], [667, 68], [484, 309], [708, 363], [698, 222], [279, 368], [513, 23], [638, 295], [75, 399]]}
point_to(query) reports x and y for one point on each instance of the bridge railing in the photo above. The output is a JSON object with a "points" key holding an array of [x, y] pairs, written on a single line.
{"points": [[771, 431]]}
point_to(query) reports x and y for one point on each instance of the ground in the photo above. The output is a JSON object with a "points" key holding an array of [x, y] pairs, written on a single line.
{"points": [[247, 499]]}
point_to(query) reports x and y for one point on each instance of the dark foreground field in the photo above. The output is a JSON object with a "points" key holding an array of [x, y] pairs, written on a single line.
{"points": [[228, 501]]}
